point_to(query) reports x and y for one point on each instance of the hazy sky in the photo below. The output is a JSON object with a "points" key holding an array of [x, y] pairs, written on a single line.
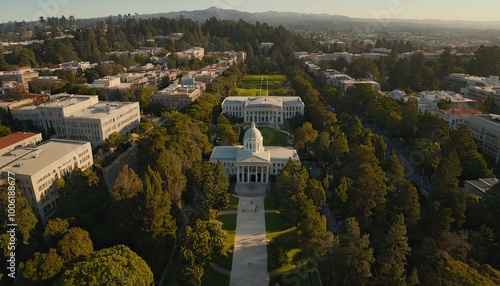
{"points": [[482, 10]]}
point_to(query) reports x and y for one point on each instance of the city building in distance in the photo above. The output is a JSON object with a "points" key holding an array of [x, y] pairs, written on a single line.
{"points": [[263, 109], [37, 168], [81, 117]]}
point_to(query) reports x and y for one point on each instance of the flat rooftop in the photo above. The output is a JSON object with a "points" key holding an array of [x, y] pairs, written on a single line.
{"points": [[99, 110], [15, 138], [65, 101], [30, 161], [243, 99], [493, 118]]}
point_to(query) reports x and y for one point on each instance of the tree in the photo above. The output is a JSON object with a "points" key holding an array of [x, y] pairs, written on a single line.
{"points": [[123, 213], [55, 230], [42, 266], [25, 218], [311, 226], [352, 257], [75, 244], [338, 150], [4, 131], [445, 188], [201, 243], [83, 195], [304, 137], [209, 187], [340, 194], [392, 259], [395, 170], [404, 200], [117, 265], [157, 220], [487, 105], [227, 136], [170, 167], [472, 162], [291, 180], [315, 192], [115, 141]]}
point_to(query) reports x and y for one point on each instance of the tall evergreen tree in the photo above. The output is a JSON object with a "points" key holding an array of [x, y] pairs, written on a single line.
{"points": [[353, 257], [391, 261], [157, 220]]}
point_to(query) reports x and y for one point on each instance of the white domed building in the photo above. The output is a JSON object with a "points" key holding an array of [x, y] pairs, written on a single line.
{"points": [[253, 162]]}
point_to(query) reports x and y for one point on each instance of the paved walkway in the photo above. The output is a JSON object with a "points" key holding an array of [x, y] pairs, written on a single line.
{"points": [[250, 245]]}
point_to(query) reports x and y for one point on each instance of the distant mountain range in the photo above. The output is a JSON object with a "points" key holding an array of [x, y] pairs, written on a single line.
{"points": [[296, 20]]}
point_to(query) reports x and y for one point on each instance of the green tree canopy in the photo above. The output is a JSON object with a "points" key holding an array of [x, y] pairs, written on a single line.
{"points": [[76, 243], [117, 265], [42, 266]]}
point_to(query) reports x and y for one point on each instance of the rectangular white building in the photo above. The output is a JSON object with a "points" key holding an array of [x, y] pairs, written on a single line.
{"points": [[263, 109], [81, 117], [485, 129], [36, 170]]}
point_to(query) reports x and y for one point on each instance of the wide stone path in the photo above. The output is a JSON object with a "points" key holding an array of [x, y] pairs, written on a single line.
{"points": [[250, 244]]}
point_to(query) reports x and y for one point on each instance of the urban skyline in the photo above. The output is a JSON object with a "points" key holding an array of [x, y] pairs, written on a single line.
{"points": [[31, 10]]}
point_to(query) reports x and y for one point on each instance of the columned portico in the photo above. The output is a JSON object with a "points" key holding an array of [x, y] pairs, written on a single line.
{"points": [[252, 173]]}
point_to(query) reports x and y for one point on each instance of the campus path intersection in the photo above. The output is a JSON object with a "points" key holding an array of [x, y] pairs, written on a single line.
{"points": [[250, 244]]}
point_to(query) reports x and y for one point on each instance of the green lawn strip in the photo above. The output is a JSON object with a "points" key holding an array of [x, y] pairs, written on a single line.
{"points": [[229, 225], [280, 234], [213, 277], [233, 203], [273, 137], [270, 203]]}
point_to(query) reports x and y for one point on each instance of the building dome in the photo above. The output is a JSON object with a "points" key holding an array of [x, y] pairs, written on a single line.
{"points": [[253, 140], [252, 133]]}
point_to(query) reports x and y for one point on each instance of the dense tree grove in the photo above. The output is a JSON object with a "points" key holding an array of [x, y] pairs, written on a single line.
{"points": [[399, 246]]}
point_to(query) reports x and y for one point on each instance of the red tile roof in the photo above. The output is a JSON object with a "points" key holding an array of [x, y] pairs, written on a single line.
{"points": [[14, 138]]}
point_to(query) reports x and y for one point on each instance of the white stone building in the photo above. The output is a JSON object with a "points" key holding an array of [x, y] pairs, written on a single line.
{"points": [[82, 117], [263, 109], [177, 96], [36, 170], [485, 129], [253, 162]]}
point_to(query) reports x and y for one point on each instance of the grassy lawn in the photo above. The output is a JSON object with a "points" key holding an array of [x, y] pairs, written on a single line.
{"points": [[257, 85], [255, 80], [213, 277], [273, 137], [280, 234], [233, 203], [270, 203]]}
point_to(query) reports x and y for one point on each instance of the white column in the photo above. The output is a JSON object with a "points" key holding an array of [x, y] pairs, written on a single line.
{"points": [[267, 174], [246, 174], [237, 173]]}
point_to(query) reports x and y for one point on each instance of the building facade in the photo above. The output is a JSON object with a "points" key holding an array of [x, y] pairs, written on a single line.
{"points": [[455, 117], [177, 96], [263, 109], [81, 117], [253, 162], [485, 129], [37, 169]]}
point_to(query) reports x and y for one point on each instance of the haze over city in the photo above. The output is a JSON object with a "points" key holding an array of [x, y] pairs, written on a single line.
{"points": [[31, 10]]}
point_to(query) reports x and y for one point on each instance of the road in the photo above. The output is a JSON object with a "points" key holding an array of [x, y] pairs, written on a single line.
{"points": [[128, 157]]}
